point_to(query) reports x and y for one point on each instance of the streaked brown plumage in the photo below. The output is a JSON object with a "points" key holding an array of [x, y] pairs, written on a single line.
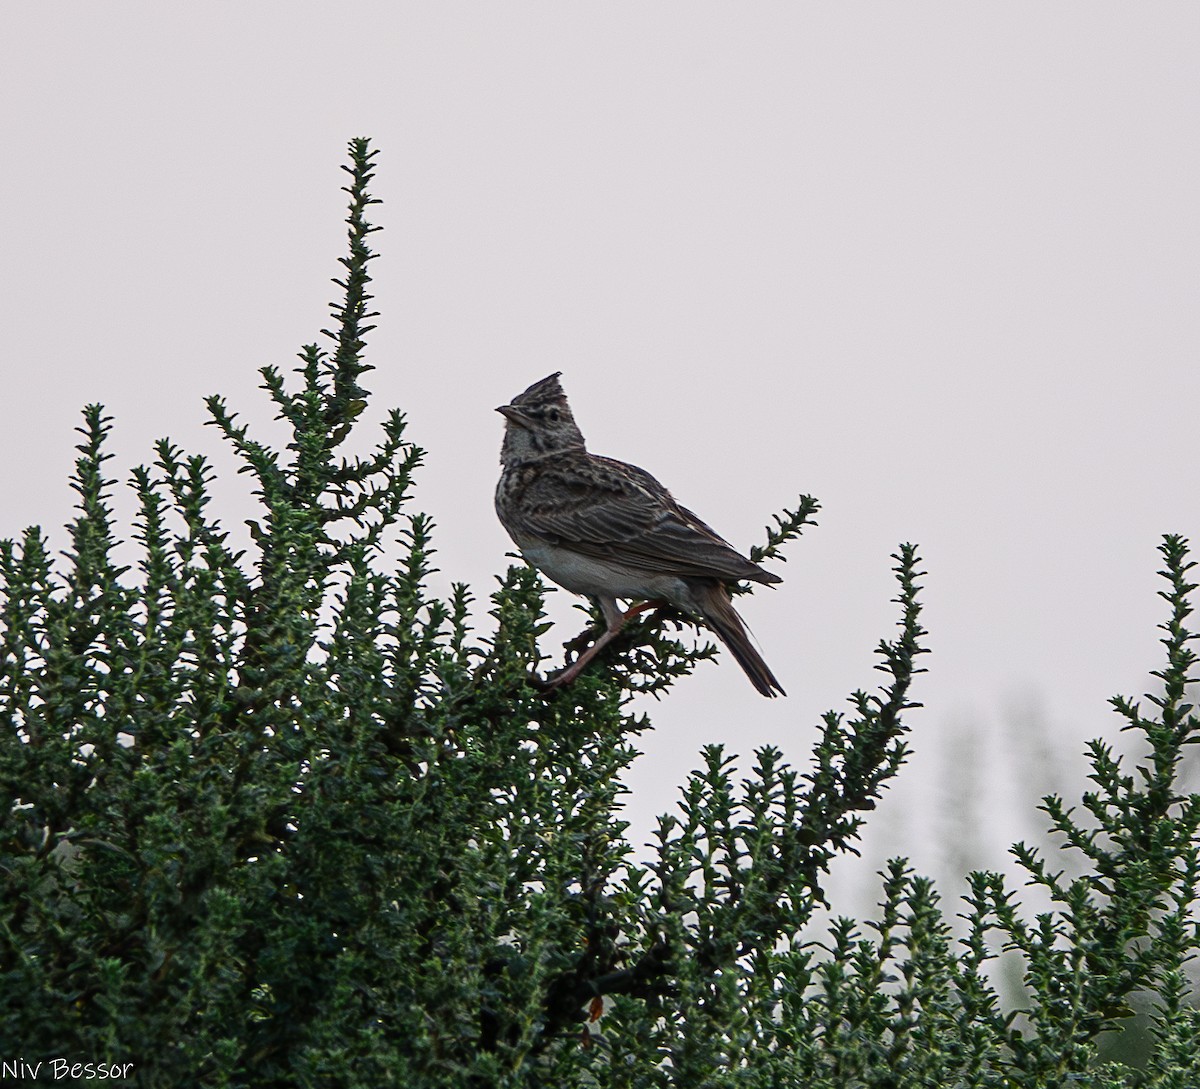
{"points": [[609, 530]]}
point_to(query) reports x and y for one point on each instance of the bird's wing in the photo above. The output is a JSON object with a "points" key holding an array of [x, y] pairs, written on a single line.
{"points": [[617, 512]]}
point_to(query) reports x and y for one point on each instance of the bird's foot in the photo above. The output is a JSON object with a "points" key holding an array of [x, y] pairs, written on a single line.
{"points": [[557, 680], [542, 684], [582, 641]]}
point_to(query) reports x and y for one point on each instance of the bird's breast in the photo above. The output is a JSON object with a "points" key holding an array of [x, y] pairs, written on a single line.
{"points": [[593, 577]]}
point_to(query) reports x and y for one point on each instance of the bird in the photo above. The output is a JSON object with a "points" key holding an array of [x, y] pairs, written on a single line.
{"points": [[608, 530]]}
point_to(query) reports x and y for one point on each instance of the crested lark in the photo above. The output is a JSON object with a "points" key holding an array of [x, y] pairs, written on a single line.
{"points": [[609, 530]]}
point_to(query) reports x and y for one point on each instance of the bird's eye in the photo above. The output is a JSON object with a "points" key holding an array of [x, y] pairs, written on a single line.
{"points": [[552, 415]]}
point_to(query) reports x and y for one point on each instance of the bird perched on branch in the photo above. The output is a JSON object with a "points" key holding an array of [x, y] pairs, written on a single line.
{"points": [[609, 530]]}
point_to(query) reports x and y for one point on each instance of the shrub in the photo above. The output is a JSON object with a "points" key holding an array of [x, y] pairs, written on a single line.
{"points": [[286, 818]]}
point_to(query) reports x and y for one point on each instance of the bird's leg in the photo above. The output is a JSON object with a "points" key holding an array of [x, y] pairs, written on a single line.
{"points": [[645, 606], [584, 639], [616, 620]]}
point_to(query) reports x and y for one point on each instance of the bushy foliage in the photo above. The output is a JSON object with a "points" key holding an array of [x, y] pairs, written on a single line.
{"points": [[286, 818]]}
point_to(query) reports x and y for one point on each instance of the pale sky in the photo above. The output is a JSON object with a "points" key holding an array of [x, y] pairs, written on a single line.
{"points": [[934, 263]]}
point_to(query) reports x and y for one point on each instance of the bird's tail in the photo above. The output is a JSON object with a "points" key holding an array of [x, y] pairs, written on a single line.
{"points": [[720, 615]]}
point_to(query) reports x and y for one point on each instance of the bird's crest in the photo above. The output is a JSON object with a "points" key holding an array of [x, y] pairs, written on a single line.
{"points": [[542, 393]]}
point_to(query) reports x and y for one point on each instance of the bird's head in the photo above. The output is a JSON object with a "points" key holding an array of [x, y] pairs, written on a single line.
{"points": [[539, 423]]}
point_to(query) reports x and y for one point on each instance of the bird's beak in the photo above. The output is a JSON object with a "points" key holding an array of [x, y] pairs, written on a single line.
{"points": [[514, 414]]}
